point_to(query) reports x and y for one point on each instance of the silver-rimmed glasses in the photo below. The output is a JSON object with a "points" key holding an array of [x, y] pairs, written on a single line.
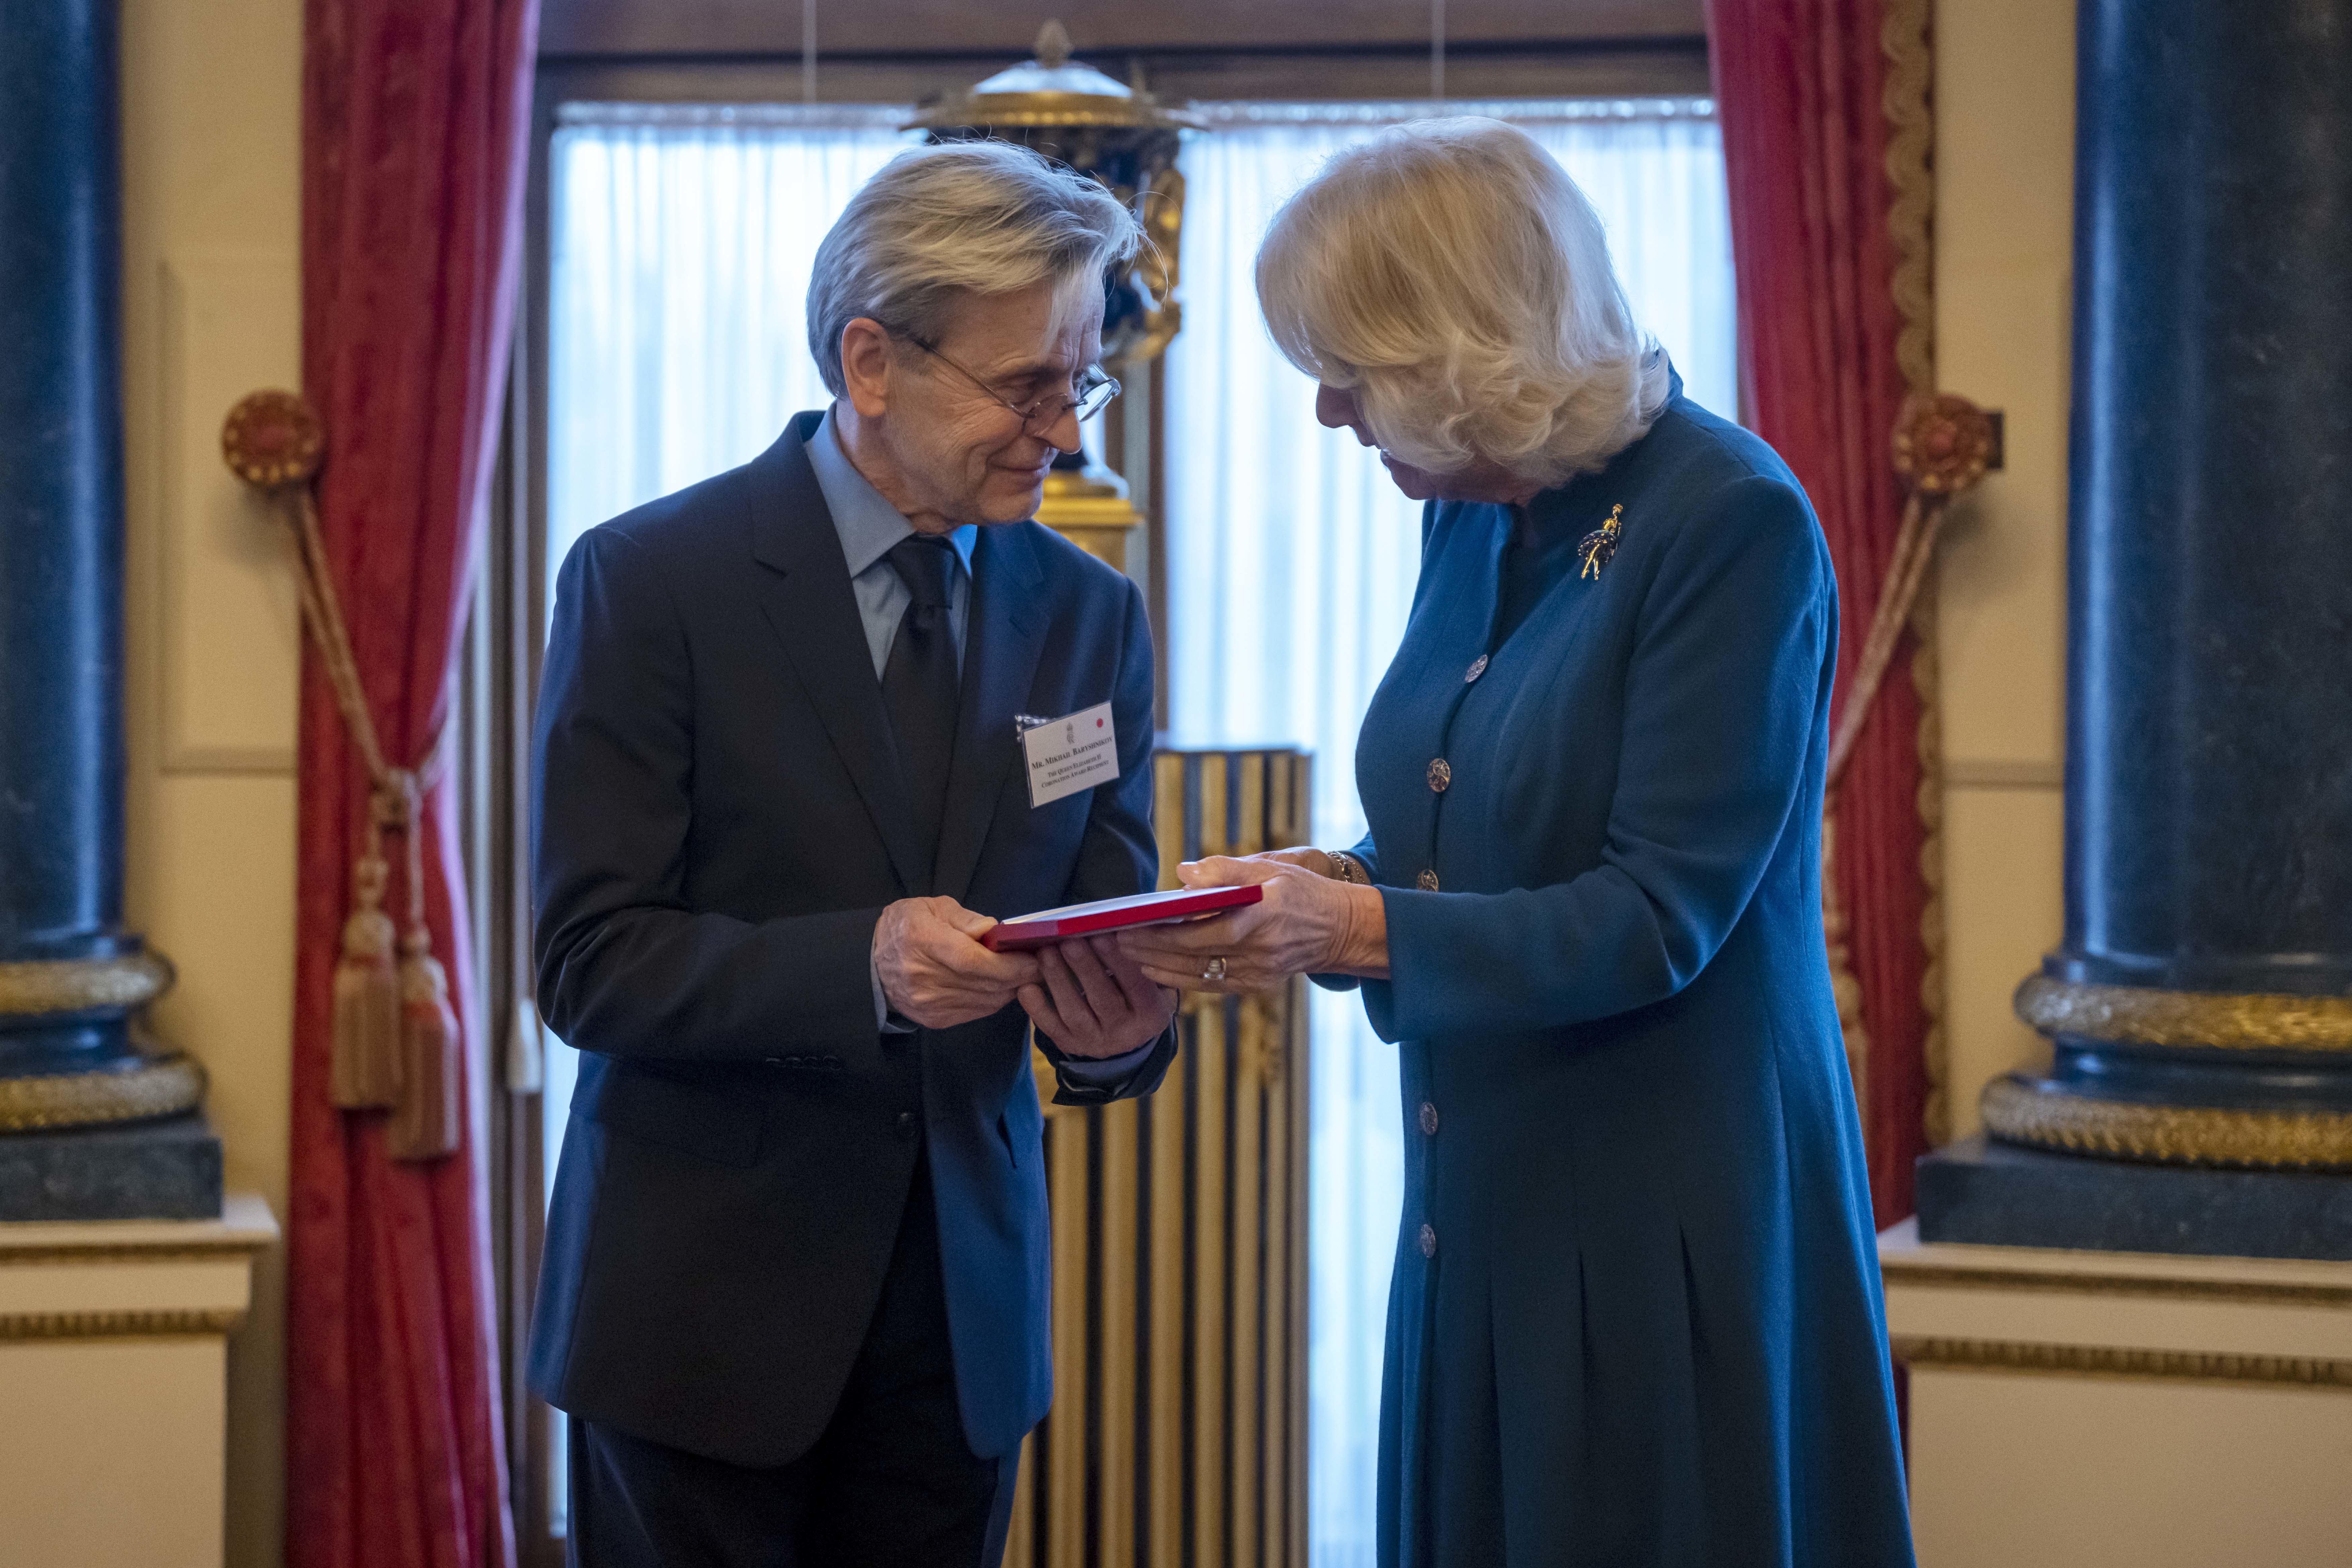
{"points": [[1090, 396]]}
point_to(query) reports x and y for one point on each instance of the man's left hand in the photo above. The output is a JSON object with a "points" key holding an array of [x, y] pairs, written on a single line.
{"points": [[1093, 1001]]}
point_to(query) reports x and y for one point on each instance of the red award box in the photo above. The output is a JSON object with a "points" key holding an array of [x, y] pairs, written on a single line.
{"points": [[1049, 926]]}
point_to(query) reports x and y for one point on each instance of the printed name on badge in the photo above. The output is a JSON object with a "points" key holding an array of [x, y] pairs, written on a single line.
{"points": [[1068, 754]]}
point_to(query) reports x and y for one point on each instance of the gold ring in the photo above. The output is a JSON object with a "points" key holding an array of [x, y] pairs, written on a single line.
{"points": [[1216, 972]]}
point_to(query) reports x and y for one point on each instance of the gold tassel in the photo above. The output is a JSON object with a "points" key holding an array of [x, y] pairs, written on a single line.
{"points": [[364, 1070], [424, 1125]]}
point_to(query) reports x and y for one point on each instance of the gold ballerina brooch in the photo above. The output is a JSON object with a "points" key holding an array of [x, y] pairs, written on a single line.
{"points": [[1595, 549]]}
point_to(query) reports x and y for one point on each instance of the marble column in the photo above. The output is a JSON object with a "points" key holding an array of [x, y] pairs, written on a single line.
{"points": [[2200, 1007], [71, 975]]}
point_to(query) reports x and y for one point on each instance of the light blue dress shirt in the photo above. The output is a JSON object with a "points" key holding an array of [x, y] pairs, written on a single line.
{"points": [[869, 526]]}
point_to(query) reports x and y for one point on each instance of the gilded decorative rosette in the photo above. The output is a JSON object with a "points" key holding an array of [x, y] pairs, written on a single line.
{"points": [[1943, 444], [274, 438]]}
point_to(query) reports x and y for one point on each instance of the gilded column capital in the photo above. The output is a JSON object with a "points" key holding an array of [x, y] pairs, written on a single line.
{"points": [[149, 1087], [2019, 1110], [2145, 1015], [33, 987]]}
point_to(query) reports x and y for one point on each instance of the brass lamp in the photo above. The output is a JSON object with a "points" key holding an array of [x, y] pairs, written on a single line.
{"points": [[1128, 141]]}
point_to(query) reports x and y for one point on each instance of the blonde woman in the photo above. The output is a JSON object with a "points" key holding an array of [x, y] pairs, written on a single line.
{"points": [[1635, 1317]]}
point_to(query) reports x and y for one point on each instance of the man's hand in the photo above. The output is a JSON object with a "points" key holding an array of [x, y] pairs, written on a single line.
{"points": [[935, 972], [1093, 1001]]}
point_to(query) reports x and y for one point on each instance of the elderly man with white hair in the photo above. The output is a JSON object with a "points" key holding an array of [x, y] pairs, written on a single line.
{"points": [[794, 1298], [1635, 1319]]}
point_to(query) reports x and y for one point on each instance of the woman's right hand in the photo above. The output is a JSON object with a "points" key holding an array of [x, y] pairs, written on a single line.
{"points": [[1316, 861], [1303, 923]]}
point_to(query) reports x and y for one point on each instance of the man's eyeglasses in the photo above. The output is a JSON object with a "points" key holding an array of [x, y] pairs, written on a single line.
{"points": [[1089, 398]]}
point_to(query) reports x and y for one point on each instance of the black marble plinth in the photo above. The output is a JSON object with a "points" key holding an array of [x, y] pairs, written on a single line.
{"points": [[2208, 739], [2209, 765], [60, 524], [1996, 1195], [169, 1169], [2287, 1081], [75, 972]]}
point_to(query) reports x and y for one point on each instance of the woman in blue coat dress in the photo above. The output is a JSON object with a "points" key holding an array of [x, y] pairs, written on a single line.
{"points": [[1635, 1317]]}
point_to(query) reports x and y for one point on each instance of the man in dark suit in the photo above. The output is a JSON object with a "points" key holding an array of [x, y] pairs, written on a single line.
{"points": [[794, 1290]]}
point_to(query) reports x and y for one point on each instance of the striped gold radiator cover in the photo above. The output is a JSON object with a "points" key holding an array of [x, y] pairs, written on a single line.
{"points": [[1178, 1437]]}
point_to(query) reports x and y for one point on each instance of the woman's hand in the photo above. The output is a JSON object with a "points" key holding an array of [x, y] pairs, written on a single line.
{"points": [[1306, 923]]}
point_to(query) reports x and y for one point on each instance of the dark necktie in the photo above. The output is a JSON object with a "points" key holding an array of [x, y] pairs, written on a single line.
{"points": [[920, 682]]}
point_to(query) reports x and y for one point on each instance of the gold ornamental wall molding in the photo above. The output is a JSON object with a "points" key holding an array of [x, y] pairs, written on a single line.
{"points": [[1908, 597], [155, 1086], [1905, 39], [2145, 1015], [2122, 1361], [2017, 1112], [224, 1250], [157, 1322], [1911, 133], [39, 986], [2008, 1281]]}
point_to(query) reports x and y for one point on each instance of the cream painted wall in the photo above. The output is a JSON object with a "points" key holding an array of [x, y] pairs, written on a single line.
{"points": [[2004, 224], [211, 95]]}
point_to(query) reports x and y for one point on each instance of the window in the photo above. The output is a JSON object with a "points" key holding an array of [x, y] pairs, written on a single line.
{"points": [[680, 241]]}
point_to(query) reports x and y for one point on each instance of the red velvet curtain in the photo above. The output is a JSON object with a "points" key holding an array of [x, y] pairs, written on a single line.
{"points": [[1800, 88], [415, 123]]}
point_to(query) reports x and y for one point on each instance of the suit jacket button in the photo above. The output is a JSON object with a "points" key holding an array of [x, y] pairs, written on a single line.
{"points": [[1428, 1120], [905, 1125], [1427, 881], [1477, 668], [1441, 774], [1429, 1241]]}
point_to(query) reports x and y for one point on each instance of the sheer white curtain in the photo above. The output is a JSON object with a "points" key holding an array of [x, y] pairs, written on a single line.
{"points": [[1291, 562], [680, 242]]}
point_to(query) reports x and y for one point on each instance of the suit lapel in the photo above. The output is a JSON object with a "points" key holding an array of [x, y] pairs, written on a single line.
{"points": [[1004, 631], [804, 590]]}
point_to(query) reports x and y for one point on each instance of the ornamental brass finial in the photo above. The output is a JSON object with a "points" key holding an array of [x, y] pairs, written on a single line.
{"points": [[1053, 46]]}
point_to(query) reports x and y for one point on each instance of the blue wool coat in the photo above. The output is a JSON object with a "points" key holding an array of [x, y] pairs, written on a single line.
{"points": [[1635, 1317]]}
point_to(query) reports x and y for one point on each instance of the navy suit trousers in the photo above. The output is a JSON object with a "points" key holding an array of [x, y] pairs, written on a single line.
{"points": [[891, 1482]]}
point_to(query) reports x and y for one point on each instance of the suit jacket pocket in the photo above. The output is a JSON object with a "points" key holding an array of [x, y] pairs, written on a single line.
{"points": [[684, 1117]]}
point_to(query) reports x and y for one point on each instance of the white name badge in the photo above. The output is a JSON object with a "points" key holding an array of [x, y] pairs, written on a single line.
{"points": [[1068, 754]]}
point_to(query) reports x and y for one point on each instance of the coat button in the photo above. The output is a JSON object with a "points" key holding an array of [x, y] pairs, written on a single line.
{"points": [[905, 1125], [1477, 668], [1441, 774], [1428, 1118], [1427, 881], [1429, 1241]]}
